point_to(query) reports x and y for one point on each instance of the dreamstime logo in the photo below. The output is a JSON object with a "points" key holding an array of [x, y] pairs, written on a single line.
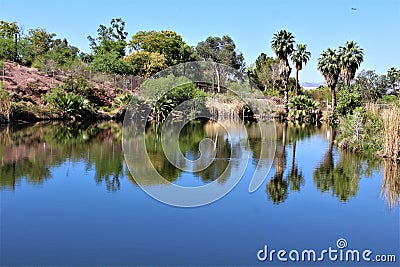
{"points": [[332, 254], [153, 108]]}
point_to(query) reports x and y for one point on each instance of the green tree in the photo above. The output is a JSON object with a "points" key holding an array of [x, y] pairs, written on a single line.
{"points": [[9, 33], [220, 50], [393, 75], [145, 64], [265, 72], [328, 65], [370, 85], [300, 56], [41, 41], [111, 63], [166, 43], [350, 57], [283, 46], [110, 39], [349, 98]]}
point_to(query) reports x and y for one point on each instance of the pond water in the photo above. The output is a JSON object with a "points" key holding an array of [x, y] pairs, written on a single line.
{"points": [[67, 198]]}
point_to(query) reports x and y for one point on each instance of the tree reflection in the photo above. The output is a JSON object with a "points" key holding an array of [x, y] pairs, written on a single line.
{"points": [[277, 187], [30, 151], [390, 189], [295, 176], [342, 178]]}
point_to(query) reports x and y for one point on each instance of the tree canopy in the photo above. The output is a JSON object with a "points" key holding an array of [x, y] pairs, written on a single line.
{"points": [[220, 50], [166, 43]]}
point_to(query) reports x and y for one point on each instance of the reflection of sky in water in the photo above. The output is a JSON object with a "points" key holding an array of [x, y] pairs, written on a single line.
{"points": [[72, 219]]}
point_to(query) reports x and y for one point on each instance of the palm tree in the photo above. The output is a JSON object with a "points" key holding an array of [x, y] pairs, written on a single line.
{"points": [[300, 56], [328, 65], [282, 44], [351, 55]]}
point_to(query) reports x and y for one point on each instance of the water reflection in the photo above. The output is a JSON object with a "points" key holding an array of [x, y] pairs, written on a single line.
{"points": [[390, 189], [30, 152], [343, 176]]}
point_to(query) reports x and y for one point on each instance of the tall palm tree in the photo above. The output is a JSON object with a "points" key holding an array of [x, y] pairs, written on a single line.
{"points": [[300, 56], [282, 44], [350, 55], [328, 65]]}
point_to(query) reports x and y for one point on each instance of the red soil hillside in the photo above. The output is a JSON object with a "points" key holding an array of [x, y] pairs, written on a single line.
{"points": [[29, 84]]}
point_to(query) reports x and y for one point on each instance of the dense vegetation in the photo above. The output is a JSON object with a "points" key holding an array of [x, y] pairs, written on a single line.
{"points": [[346, 98]]}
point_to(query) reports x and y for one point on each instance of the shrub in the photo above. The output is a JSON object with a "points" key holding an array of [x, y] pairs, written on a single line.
{"points": [[302, 108], [69, 104], [347, 100], [5, 103], [361, 132], [123, 100], [320, 94], [80, 86]]}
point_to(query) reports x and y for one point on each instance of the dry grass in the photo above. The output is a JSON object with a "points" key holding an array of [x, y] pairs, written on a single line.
{"points": [[391, 122], [390, 189], [5, 104]]}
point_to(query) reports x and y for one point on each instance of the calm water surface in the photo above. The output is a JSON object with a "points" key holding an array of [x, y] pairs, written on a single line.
{"points": [[67, 198]]}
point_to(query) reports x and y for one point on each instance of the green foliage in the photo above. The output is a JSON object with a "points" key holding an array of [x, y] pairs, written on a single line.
{"points": [[8, 32], [349, 99], [110, 39], [329, 66], [361, 132], [301, 108], [350, 57], [69, 104], [166, 44], [265, 72], [389, 99], [272, 93], [283, 44], [220, 50], [320, 94], [145, 64], [123, 100], [164, 104], [371, 85], [300, 55], [393, 75], [40, 40], [80, 86], [110, 62], [5, 103]]}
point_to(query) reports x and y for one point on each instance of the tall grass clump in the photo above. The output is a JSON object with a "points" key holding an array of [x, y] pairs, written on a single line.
{"points": [[390, 189], [391, 123], [361, 131], [5, 103]]}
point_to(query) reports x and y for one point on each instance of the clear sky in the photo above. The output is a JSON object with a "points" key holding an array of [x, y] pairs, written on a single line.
{"points": [[320, 24]]}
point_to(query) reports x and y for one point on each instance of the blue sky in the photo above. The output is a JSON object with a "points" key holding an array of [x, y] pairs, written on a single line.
{"points": [[318, 23]]}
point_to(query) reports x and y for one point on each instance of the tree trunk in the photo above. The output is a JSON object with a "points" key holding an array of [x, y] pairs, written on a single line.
{"points": [[332, 136], [297, 82], [286, 100], [333, 93], [294, 154], [218, 80]]}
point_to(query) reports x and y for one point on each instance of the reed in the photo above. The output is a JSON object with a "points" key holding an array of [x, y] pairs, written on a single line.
{"points": [[391, 122], [5, 104], [390, 189]]}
